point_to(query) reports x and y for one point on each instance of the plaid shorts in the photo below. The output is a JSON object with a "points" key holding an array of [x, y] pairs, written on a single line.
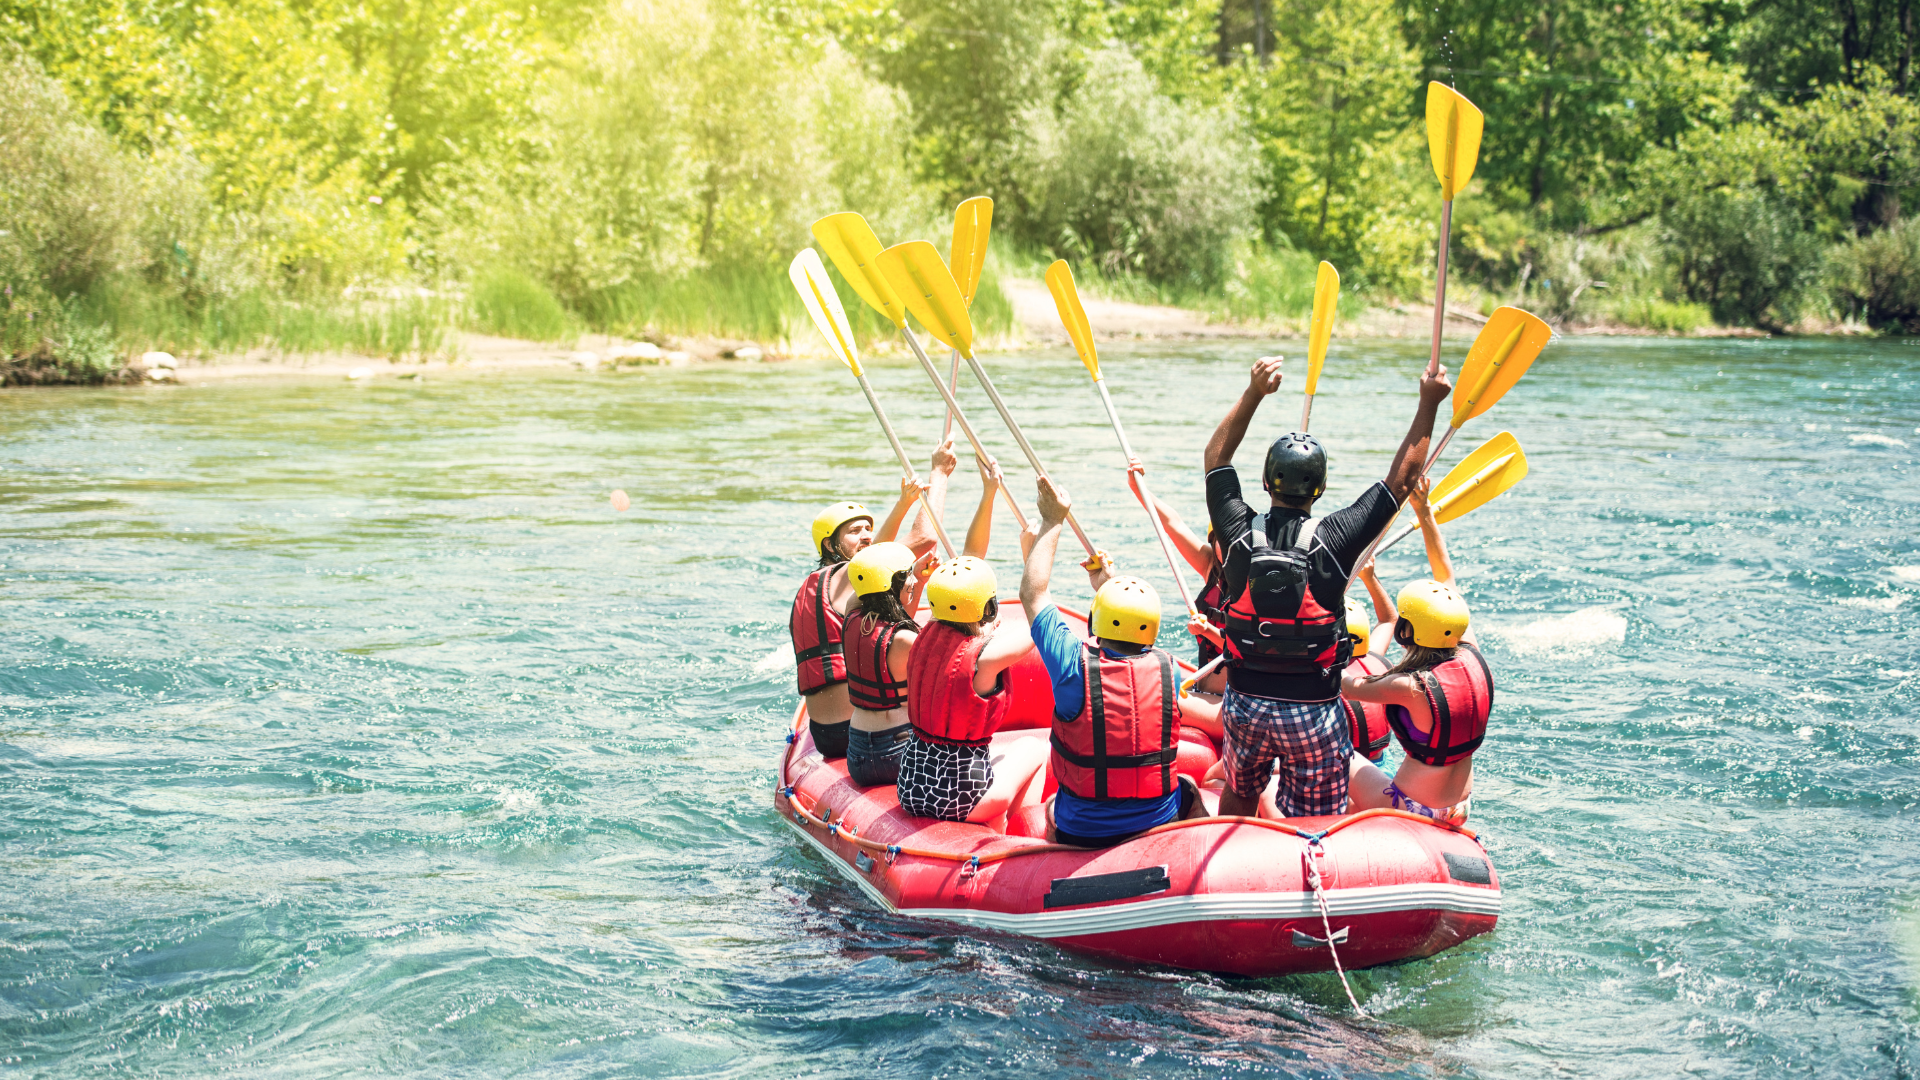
{"points": [[1310, 739]]}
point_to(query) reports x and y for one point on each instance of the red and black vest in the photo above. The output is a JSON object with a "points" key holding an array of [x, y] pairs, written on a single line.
{"points": [[815, 626], [1275, 625], [1122, 744], [1459, 695], [940, 698], [1367, 720], [1212, 603], [870, 681]]}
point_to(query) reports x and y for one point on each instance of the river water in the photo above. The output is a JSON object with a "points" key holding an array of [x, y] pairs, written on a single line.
{"points": [[349, 730]]}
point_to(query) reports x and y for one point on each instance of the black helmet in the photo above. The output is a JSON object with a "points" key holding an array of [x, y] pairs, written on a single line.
{"points": [[1296, 466]]}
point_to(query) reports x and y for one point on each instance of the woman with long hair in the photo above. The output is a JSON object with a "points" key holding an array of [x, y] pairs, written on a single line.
{"points": [[1437, 698]]}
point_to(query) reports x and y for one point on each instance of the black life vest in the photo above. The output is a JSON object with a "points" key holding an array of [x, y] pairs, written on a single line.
{"points": [[1459, 695], [1367, 721], [1275, 625], [870, 681], [815, 626], [1121, 745]]}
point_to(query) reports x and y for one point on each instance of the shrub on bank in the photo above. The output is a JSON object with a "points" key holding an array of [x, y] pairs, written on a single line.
{"points": [[1877, 277]]}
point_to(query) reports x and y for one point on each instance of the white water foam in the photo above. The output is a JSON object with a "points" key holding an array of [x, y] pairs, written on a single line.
{"points": [[781, 657], [1906, 573], [1886, 605], [1581, 633], [1876, 440]]}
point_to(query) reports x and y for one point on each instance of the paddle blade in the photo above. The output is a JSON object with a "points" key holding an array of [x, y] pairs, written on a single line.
{"points": [[1499, 356], [1453, 137], [1066, 300], [926, 286], [816, 291], [1326, 298], [849, 241], [1497, 465], [972, 224]]}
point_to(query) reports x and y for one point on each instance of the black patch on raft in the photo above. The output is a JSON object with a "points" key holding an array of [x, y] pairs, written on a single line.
{"points": [[1468, 868], [1098, 888]]}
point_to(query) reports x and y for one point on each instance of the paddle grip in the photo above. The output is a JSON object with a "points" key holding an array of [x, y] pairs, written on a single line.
{"points": [[1153, 514], [1026, 448], [979, 451], [906, 466]]}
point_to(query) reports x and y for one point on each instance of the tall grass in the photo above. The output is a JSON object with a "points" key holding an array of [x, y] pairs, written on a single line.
{"points": [[508, 303], [405, 324]]}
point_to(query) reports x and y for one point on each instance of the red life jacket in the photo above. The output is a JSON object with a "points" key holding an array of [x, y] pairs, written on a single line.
{"points": [[1212, 603], [1275, 625], [940, 698], [1367, 720], [815, 626], [870, 681], [1459, 695], [1122, 745]]}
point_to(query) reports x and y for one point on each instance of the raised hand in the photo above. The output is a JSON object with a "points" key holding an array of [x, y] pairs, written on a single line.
{"points": [[1418, 496], [1434, 388], [1265, 378], [1053, 503], [944, 459]]}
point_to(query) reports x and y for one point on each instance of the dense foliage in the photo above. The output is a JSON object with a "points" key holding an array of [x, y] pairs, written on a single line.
{"points": [[232, 173]]}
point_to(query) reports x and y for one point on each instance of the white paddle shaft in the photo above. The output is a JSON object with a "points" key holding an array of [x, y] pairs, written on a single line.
{"points": [[1193, 680], [953, 407], [906, 467], [1440, 285], [1306, 412], [1153, 514], [953, 385], [1020, 437]]}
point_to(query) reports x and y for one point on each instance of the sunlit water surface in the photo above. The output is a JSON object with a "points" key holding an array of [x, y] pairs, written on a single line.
{"points": [[349, 730]]}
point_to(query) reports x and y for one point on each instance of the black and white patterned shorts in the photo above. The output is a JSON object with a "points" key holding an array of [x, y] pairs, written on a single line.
{"points": [[940, 780], [1309, 739]]}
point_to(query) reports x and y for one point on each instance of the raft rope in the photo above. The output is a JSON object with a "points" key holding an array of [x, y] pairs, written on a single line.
{"points": [[1312, 854]]}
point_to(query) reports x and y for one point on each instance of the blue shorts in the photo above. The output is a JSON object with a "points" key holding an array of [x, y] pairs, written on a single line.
{"points": [[1309, 739]]}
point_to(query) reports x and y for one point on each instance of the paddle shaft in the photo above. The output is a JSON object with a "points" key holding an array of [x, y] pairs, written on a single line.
{"points": [[1306, 411], [953, 408], [906, 466], [1479, 478], [1159, 530], [1205, 670], [1440, 286], [953, 385], [1020, 437]]}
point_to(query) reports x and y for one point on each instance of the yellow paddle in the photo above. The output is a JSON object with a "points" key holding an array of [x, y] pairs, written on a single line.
{"points": [[972, 224], [816, 291], [1326, 298], [849, 241], [1502, 352], [1453, 138], [1066, 300], [924, 282], [1497, 465]]}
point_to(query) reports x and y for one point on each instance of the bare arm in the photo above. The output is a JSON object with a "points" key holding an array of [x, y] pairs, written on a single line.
{"points": [[1383, 609], [1392, 690], [1038, 576], [1191, 546], [910, 490], [1430, 532], [1264, 380], [1411, 460], [922, 537], [897, 654], [980, 532], [1008, 644]]}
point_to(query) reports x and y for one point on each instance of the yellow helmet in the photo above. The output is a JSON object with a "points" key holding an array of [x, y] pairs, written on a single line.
{"points": [[873, 570], [961, 590], [828, 521], [1358, 627], [1126, 609], [1432, 616]]}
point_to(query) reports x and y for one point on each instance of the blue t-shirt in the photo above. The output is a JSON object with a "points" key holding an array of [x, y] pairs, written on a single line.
{"points": [[1064, 653]]}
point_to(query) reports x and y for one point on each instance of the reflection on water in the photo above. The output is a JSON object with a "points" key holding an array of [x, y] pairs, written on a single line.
{"points": [[352, 729]]}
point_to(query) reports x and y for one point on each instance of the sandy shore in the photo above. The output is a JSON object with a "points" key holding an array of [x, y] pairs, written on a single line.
{"points": [[1035, 324]]}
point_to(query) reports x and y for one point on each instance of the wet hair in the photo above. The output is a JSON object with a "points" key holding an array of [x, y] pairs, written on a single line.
{"points": [[993, 609], [887, 605]]}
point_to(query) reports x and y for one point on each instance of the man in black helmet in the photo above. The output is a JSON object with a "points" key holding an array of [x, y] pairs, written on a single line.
{"points": [[1286, 574]]}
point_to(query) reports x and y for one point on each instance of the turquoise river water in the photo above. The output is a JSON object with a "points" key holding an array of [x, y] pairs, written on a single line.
{"points": [[348, 730]]}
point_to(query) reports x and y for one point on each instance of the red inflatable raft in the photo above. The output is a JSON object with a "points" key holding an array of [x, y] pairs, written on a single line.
{"points": [[1219, 894]]}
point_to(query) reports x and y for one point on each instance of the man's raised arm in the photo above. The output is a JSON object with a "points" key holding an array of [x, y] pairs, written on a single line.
{"points": [[1226, 438], [1408, 463]]}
